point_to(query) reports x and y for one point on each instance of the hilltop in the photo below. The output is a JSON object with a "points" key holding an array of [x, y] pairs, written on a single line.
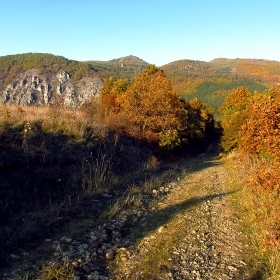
{"points": [[123, 67]]}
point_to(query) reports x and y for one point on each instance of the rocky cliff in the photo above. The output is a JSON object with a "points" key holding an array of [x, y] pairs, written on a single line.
{"points": [[29, 88]]}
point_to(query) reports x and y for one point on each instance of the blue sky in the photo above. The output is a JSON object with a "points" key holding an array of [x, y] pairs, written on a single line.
{"points": [[157, 31]]}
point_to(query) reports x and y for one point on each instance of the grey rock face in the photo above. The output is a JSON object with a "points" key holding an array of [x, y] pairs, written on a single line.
{"points": [[30, 88]]}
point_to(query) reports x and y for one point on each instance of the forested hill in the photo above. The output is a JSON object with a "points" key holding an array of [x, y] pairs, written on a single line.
{"points": [[263, 71], [43, 79], [209, 81], [48, 64], [212, 81]]}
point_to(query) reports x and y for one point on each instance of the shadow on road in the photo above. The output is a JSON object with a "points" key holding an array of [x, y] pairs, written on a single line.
{"points": [[161, 217]]}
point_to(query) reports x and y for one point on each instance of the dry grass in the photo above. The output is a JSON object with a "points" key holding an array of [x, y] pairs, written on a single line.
{"points": [[39, 188], [97, 174], [57, 271], [53, 120], [260, 215]]}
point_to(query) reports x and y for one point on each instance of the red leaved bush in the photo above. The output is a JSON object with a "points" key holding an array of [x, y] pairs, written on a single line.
{"points": [[267, 179]]}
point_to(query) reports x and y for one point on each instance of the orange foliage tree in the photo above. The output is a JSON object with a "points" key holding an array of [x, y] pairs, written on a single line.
{"points": [[233, 115], [151, 107], [112, 88], [146, 109], [260, 132], [252, 123], [201, 123]]}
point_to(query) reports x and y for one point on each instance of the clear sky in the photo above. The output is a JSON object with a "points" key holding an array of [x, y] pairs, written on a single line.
{"points": [[158, 31]]}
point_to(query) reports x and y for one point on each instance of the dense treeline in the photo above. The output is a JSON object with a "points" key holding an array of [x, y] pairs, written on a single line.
{"points": [[251, 123]]}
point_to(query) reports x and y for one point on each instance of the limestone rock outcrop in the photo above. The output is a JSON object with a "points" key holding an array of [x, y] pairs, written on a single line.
{"points": [[32, 89]]}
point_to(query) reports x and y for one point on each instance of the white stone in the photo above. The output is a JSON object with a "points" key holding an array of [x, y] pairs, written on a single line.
{"points": [[160, 229], [15, 257]]}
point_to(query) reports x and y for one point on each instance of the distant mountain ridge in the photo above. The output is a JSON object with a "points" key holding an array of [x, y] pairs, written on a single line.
{"points": [[268, 71], [210, 81], [123, 67]]}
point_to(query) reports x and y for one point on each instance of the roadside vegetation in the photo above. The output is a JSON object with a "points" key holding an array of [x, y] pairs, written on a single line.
{"points": [[214, 92], [148, 109], [251, 136]]}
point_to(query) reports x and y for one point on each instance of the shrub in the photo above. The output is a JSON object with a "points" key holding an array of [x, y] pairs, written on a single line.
{"points": [[201, 123], [169, 140]]}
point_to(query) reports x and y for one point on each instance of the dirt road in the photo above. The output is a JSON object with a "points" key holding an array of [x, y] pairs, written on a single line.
{"points": [[192, 233]]}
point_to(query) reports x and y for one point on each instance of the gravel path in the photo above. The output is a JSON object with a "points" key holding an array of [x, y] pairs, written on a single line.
{"points": [[189, 232], [208, 243]]}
